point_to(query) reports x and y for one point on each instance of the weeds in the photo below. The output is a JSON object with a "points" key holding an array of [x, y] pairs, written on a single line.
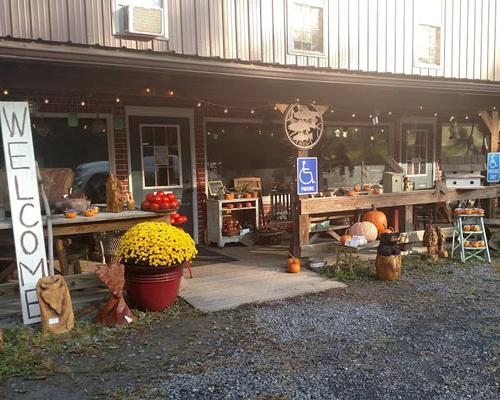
{"points": [[358, 271]]}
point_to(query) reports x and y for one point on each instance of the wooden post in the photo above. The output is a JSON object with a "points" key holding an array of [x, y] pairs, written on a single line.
{"points": [[408, 222], [301, 223], [493, 124]]}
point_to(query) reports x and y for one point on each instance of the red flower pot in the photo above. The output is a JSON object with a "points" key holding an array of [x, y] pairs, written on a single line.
{"points": [[152, 288]]}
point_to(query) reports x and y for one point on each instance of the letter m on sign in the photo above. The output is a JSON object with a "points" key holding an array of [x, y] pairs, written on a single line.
{"points": [[27, 224]]}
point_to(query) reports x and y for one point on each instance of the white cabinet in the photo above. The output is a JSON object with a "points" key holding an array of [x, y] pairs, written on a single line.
{"points": [[218, 212]]}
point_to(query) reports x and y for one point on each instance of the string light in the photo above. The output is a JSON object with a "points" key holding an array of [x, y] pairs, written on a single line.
{"points": [[494, 108], [5, 92], [83, 103], [46, 100], [170, 92], [466, 117], [389, 113], [297, 100], [332, 111], [452, 118], [435, 114], [148, 90], [252, 111], [314, 101], [275, 108], [198, 104], [117, 99], [421, 108], [353, 115], [226, 110]]}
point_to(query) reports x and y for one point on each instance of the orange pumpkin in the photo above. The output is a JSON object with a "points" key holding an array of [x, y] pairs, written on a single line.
{"points": [[366, 188], [356, 188], [345, 238], [377, 218], [377, 190], [386, 230], [476, 228], [293, 264], [366, 229], [351, 193], [70, 214], [89, 213]]}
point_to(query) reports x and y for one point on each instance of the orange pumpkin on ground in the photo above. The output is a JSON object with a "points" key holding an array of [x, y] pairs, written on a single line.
{"points": [[345, 238], [293, 265], [366, 229], [377, 218]]}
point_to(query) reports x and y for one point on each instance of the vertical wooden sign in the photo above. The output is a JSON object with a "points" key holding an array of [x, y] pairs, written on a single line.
{"points": [[24, 204]]}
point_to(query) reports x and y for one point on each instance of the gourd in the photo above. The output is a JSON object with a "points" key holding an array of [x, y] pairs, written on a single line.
{"points": [[293, 264], [364, 228], [377, 218]]}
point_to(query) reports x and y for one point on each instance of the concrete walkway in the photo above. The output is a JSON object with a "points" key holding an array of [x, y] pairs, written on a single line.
{"points": [[259, 275]]}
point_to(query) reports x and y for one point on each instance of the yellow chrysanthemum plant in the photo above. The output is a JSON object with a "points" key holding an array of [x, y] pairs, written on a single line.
{"points": [[156, 244]]}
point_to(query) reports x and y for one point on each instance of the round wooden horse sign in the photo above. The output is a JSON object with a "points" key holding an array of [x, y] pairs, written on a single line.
{"points": [[303, 124]]}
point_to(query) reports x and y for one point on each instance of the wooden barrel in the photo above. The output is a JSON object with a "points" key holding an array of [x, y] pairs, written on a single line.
{"points": [[388, 268]]}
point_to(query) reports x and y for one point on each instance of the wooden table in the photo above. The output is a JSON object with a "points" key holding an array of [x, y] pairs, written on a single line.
{"points": [[324, 206], [102, 222]]}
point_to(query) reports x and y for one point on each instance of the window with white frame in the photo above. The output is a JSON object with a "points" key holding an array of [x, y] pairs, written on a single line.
{"points": [[160, 153], [307, 27], [427, 33]]}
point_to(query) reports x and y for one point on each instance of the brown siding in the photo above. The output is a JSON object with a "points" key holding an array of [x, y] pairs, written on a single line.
{"points": [[364, 35]]}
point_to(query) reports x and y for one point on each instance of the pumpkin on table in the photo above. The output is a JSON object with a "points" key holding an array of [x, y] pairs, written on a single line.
{"points": [[364, 228], [377, 218]]}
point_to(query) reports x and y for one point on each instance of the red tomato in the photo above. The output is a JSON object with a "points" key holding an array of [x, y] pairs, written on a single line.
{"points": [[154, 207], [177, 204], [182, 219], [170, 196], [145, 205], [163, 206], [160, 193], [165, 203], [150, 197]]}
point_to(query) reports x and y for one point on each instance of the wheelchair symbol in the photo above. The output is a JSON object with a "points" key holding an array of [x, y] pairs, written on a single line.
{"points": [[493, 163], [306, 176]]}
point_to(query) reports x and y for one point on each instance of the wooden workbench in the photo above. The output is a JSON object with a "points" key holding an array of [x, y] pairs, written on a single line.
{"points": [[311, 208], [102, 222]]}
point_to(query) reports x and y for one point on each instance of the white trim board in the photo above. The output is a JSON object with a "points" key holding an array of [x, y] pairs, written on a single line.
{"points": [[168, 112]]}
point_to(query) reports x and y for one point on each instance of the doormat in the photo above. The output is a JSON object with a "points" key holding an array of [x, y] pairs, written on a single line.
{"points": [[206, 257]]}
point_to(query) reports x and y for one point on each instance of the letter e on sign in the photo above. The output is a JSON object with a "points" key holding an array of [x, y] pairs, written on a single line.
{"points": [[24, 203]]}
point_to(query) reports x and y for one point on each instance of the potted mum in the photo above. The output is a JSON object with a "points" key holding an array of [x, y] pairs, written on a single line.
{"points": [[153, 254]]}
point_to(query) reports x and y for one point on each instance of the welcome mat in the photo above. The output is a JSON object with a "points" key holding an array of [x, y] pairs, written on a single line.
{"points": [[206, 257]]}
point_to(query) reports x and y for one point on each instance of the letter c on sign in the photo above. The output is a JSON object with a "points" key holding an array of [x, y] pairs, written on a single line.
{"points": [[21, 219], [23, 242]]}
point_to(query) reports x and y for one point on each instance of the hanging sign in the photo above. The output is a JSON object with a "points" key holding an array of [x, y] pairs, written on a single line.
{"points": [[307, 175], [27, 223], [303, 125], [493, 168]]}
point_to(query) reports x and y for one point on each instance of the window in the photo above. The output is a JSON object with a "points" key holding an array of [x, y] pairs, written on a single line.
{"points": [[416, 151], [148, 19], [306, 27], [160, 145], [427, 33]]}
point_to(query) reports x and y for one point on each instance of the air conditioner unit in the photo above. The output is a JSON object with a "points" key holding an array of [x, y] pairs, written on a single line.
{"points": [[142, 21]]}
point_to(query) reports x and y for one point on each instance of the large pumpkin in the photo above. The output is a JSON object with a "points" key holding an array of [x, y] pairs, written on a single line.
{"points": [[377, 218], [366, 229]]}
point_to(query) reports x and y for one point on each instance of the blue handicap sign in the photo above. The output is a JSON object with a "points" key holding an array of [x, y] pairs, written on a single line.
{"points": [[493, 168], [307, 175]]}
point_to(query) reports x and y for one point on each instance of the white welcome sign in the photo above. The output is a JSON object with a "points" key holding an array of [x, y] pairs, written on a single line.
{"points": [[24, 204]]}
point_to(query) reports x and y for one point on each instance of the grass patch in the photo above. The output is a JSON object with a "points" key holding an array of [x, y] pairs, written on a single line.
{"points": [[361, 270], [29, 352]]}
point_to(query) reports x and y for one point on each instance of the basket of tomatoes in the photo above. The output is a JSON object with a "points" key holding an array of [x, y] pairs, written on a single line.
{"points": [[160, 201]]}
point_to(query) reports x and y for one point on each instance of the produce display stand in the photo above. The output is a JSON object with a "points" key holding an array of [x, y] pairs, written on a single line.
{"points": [[217, 211], [460, 237]]}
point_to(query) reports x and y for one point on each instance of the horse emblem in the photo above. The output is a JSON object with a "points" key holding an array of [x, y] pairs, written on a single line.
{"points": [[303, 125]]}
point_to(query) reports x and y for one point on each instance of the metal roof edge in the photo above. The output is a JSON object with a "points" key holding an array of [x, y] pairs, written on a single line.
{"points": [[169, 62]]}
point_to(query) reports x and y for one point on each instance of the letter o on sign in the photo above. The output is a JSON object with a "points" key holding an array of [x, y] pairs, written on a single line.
{"points": [[26, 242]]}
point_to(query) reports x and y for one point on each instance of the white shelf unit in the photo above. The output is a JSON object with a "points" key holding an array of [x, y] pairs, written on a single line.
{"points": [[217, 211]]}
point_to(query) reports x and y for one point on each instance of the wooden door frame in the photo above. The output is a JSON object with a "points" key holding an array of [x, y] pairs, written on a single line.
{"points": [[167, 112]]}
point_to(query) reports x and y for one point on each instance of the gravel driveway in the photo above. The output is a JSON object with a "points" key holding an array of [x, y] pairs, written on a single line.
{"points": [[433, 335]]}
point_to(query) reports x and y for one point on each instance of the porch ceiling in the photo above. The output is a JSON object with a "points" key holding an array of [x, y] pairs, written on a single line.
{"points": [[37, 74]]}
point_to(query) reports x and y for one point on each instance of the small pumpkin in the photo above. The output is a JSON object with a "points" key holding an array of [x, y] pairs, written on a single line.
{"points": [[367, 188], [351, 193], [476, 228], [467, 244], [229, 196], [70, 214], [377, 218], [293, 265], [356, 188], [467, 228], [386, 230], [377, 190], [345, 238], [89, 213], [364, 228], [443, 253]]}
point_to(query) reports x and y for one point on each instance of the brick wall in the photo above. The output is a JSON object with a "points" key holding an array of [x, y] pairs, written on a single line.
{"points": [[201, 179]]}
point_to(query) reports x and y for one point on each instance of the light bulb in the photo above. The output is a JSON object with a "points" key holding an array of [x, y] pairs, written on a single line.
{"points": [[466, 117], [252, 111], [198, 104], [226, 110], [435, 114], [389, 113], [332, 111], [148, 90], [5, 92], [82, 103], [421, 108], [46, 100], [117, 99], [170, 92], [353, 115]]}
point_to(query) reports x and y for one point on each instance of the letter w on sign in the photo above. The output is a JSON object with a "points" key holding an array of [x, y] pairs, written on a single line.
{"points": [[24, 204]]}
